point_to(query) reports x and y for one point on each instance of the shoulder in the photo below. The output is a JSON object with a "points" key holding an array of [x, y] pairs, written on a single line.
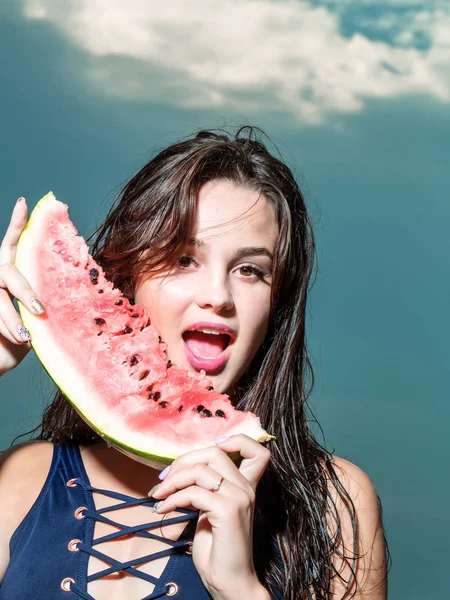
{"points": [[23, 471], [360, 529], [357, 483]]}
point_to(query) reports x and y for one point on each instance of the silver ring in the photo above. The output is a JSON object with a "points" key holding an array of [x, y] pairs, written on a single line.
{"points": [[216, 486]]}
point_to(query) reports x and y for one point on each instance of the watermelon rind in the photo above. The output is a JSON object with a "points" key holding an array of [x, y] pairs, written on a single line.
{"points": [[152, 449]]}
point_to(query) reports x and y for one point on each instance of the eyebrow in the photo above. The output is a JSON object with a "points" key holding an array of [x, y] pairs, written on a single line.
{"points": [[241, 252]]}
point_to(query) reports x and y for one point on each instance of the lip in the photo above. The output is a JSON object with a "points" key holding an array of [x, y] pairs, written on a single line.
{"points": [[209, 364]]}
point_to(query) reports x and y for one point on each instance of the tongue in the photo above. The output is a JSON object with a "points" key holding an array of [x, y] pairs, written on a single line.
{"points": [[207, 345]]}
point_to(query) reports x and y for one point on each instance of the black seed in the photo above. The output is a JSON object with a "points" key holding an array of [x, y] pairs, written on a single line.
{"points": [[100, 333], [211, 387], [150, 387], [220, 413], [159, 338], [156, 395], [99, 321], [93, 274], [135, 316], [143, 375], [100, 291], [163, 404], [180, 408], [127, 329], [134, 360], [119, 302], [200, 407], [206, 413], [169, 364]]}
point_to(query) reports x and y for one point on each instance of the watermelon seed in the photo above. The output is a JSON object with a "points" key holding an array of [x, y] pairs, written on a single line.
{"points": [[169, 364], [134, 316], [211, 387], [163, 404], [159, 339], [135, 359], [93, 274], [155, 396], [143, 375], [180, 408], [99, 321], [150, 387], [119, 302], [206, 413], [200, 407], [220, 413], [100, 333], [127, 329], [100, 291]]}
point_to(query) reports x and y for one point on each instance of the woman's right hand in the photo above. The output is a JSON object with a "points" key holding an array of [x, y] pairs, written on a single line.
{"points": [[14, 337]]}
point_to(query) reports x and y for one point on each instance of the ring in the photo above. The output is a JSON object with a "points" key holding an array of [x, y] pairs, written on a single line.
{"points": [[216, 486]]}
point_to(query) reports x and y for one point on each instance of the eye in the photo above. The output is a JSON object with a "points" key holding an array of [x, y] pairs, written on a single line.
{"points": [[252, 272], [185, 261]]}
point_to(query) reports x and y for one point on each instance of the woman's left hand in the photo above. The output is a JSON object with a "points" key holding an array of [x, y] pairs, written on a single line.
{"points": [[222, 547]]}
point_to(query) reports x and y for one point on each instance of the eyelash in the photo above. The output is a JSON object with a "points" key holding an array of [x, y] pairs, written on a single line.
{"points": [[259, 272]]}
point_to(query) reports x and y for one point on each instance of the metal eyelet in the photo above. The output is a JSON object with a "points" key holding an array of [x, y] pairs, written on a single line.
{"points": [[66, 584], [73, 545], [78, 514], [72, 482], [172, 589], [188, 548]]}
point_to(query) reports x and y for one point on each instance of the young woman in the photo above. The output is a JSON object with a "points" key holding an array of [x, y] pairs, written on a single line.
{"points": [[212, 235]]}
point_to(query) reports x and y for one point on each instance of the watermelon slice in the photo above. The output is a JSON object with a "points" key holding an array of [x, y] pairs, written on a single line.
{"points": [[106, 357]]}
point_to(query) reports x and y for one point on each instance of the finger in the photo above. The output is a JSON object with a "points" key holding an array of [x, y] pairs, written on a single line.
{"points": [[15, 228], [212, 456], [12, 327], [12, 280], [255, 457], [200, 475], [196, 497]]}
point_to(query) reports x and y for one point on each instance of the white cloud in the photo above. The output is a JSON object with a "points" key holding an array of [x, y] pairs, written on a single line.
{"points": [[243, 55]]}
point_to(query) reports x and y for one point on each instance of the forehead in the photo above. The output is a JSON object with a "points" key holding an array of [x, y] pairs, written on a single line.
{"points": [[224, 208]]}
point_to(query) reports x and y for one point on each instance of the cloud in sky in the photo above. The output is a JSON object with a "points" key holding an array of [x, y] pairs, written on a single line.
{"points": [[288, 56]]}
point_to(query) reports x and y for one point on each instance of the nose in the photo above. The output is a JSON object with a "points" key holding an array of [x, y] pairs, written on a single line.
{"points": [[214, 292]]}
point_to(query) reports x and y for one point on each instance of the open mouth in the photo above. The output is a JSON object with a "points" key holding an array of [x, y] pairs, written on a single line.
{"points": [[206, 343]]}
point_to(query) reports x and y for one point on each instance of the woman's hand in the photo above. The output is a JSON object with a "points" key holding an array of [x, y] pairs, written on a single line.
{"points": [[209, 481], [14, 337]]}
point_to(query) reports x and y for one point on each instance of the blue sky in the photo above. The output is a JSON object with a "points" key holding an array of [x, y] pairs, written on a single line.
{"points": [[357, 97]]}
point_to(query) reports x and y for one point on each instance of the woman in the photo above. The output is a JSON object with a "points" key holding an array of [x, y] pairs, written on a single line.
{"points": [[211, 233]]}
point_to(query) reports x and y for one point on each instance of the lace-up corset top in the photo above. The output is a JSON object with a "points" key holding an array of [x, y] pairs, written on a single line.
{"points": [[69, 544]]}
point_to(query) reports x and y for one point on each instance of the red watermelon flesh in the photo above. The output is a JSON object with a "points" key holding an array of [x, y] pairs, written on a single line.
{"points": [[106, 356]]}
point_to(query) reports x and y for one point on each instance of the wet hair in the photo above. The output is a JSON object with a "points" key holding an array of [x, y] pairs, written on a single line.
{"points": [[148, 228]]}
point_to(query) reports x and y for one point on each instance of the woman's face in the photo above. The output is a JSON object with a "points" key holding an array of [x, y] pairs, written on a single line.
{"points": [[212, 307]]}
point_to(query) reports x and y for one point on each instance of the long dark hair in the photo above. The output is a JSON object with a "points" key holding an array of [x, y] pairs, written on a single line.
{"points": [[145, 230]]}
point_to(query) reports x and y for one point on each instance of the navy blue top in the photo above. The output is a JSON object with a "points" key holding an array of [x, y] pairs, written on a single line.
{"points": [[42, 565]]}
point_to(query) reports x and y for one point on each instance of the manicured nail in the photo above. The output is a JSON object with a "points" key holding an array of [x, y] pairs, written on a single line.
{"points": [[221, 440], [21, 199], [37, 305], [164, 473], [156, 505], [153, 490], [24, 334]]}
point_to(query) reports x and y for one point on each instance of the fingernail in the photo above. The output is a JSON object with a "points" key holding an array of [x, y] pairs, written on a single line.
{"points": [[24, 334], [156, 505], [153, 490], [164, 473], [37, 305], [221, 440], [21, 199]]}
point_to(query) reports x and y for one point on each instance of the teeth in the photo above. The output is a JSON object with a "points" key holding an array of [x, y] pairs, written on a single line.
{"points": [[213, 331]]}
